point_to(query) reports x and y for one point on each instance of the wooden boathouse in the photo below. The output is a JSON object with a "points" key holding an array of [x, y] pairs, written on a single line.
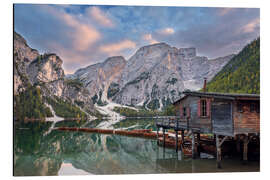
{"points": [[225, 115]]}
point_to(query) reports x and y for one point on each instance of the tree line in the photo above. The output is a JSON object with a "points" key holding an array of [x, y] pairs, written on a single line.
{"points": [[30, 104], [142, 112], [241, 74]]}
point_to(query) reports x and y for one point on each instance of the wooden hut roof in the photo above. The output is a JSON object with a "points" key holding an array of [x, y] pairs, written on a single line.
{"points": [[231, 96]]}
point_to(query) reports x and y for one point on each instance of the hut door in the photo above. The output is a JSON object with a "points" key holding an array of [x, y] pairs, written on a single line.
{"points": [[222, 117]]}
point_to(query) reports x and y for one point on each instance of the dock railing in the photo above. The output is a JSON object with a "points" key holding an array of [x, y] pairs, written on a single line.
{"points": [[172, 122]]}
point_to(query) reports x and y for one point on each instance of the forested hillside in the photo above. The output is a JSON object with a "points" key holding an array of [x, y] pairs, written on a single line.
{"points": [[241, 74], [30, 104]]}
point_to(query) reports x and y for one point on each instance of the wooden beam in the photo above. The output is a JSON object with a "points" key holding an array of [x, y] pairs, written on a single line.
{"points": [[163, 137], [157, 152], [193, 146], [248, 98], [218, 149], [183, 135], [176, 141], [198, 144], [238, 143], [157, 135], [222, 141], [245, 150], [189, 133]]}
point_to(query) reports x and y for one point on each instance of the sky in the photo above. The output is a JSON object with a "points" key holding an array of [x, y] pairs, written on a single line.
{"points": [[83, 35]]}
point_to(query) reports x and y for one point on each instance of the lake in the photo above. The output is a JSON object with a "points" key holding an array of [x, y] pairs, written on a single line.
{"points": [[40, 151]]}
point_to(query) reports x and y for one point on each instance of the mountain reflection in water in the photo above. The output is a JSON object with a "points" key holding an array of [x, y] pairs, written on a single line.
{"points": [[74, 153]]}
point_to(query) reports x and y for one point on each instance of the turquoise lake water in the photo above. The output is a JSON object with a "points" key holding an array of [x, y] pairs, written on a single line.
{"points": [[37, 152]]}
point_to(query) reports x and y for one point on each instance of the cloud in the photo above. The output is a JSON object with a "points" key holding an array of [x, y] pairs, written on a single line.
{"points": [[72, 60], [251, 26], [81, 39], [83, 35], [100, 17], [224, 11], [149, 38], [117, 47], [166, 31]]}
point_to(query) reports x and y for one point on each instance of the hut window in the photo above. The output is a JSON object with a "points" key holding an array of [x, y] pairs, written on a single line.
{"points": [[252, 107], [258, 108], [255, 107], [203, 108], [240, 107]]}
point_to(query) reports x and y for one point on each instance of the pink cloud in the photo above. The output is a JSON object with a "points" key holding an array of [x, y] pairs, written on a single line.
{"points": [[114, 48], [83, 35], [224, 11], [250, 27], [166, 31], [149, 38], [68, 56], [100, 17]]}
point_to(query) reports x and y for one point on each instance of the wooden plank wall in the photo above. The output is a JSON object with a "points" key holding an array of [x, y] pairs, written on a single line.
{"points": [[246, 121], [194, 122], [198, 122], [222, 117], [183, 120], [225, 118]]}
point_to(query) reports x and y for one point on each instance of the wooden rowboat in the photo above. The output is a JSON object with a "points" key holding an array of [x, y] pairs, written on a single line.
{"points": [[187, 149]]}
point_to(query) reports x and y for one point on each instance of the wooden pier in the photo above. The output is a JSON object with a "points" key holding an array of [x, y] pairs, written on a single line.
{"points": [[226, 116]]}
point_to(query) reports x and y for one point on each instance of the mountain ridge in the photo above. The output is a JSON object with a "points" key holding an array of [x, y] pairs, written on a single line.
{"points": [[155, 74], [241, 74], [40, 79]]}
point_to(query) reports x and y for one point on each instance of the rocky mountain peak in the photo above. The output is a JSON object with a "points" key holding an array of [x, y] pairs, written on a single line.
{"points": [[19, 38], [46, 71], [22, 50], [113, 62], [115, 59], [187, 52], [23, 55], [145, 50], [156, 45], [46, 68], [157, 74], [98, 77]]}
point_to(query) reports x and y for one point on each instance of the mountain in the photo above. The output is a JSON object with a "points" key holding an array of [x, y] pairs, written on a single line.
{"points": [[156, 75], [241, 74], [153, 77], [98, 77], [39, 80], [23, 55]]}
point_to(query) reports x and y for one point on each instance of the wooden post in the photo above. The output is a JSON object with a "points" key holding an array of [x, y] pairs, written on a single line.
{"points": [[198, 143], [182, 139], [163, 137], [218, 149], [238, 144], [193, 146], [183, 135], [193, 166], [245, 150], [157, 152], [164, 152], [176, 141], [157, 134]]}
